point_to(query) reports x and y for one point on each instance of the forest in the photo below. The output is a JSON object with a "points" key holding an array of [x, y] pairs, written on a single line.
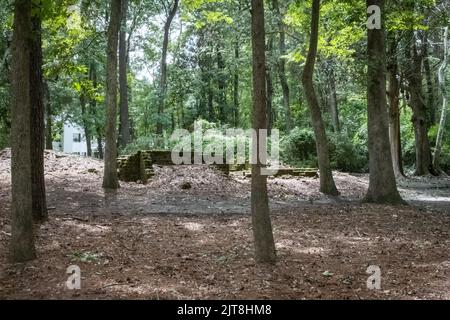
{"points": [[224, 149]]}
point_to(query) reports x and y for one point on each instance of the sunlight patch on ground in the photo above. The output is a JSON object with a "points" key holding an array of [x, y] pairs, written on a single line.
{"points": [[353, 240], [192, 226], [159, 291], [433, 199], [297, 248], [95, 229], [235, 224]]}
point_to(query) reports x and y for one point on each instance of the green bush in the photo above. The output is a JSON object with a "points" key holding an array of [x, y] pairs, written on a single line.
{"points": [[348, 155], [298, 148]]}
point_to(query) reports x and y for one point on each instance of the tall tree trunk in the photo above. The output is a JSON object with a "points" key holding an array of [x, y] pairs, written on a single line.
{"points": [[262, 226], [394, 109], [327, 184], [37, 123], [222, 86], [444, 111], [86, 124], [333, 100], [124, 135], [202, 98], [382, 184], [93, 109], [182, 124], [429, 79], [49, 118], [236, 84], [269, 86], [424, 164], [110, 179], [210, 97], [282, 65], [100, 147], [163, 80], [22, 239]]}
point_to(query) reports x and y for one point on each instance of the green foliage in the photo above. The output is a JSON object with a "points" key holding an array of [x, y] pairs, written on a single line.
{"points": [[299, 148], [210, 46], [348, 155], [445, 152], [142, 143], [85, 257]]}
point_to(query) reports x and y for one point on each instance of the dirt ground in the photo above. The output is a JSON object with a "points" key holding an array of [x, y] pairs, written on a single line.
{"points": [[166, 241]]}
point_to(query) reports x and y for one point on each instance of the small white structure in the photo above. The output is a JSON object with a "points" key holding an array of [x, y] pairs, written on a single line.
{"points": [[74, 141]]}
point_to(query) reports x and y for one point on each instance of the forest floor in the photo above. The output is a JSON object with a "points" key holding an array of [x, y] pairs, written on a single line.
{"points": [[187, 235]]}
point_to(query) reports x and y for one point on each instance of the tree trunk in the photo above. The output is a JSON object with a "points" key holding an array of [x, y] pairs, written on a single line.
{"points": [[100, 147], [424, 164], [394, 109], [222, 86], [49, 119], [110, 179], [334, 109], [269, 86], [282, 65], [262, 226], [124, 135], [163, 80], [236, 85], [429, 79], [382, 184], [86, 125], [37, 123], [93, 109], [327, 184], [442, 85], [22, 239], [210, 97]]}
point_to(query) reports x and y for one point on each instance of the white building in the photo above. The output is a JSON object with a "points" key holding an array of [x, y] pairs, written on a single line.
{"points": [[74, 140]]}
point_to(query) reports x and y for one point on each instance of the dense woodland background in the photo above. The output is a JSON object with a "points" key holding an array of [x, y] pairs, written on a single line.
{"points": [[182, 62]]}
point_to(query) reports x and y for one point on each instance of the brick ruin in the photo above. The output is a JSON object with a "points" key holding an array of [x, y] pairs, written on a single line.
{"points": [[139, 167]]}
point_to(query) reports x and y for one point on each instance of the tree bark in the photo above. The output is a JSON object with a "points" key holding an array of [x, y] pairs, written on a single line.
{"points": [[270, 90], [262, 226], [110, 179], [49, 119], [424, 164], [222, 86], [236, 84], [93, 109], [210, 98], [282, 65], [394, 109], [382, 184], [124, 136], [444, 111], [37, 123], [22, 239], [163, 80], [333, 101], [429, 79], [86, 125], [327, 185]]}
